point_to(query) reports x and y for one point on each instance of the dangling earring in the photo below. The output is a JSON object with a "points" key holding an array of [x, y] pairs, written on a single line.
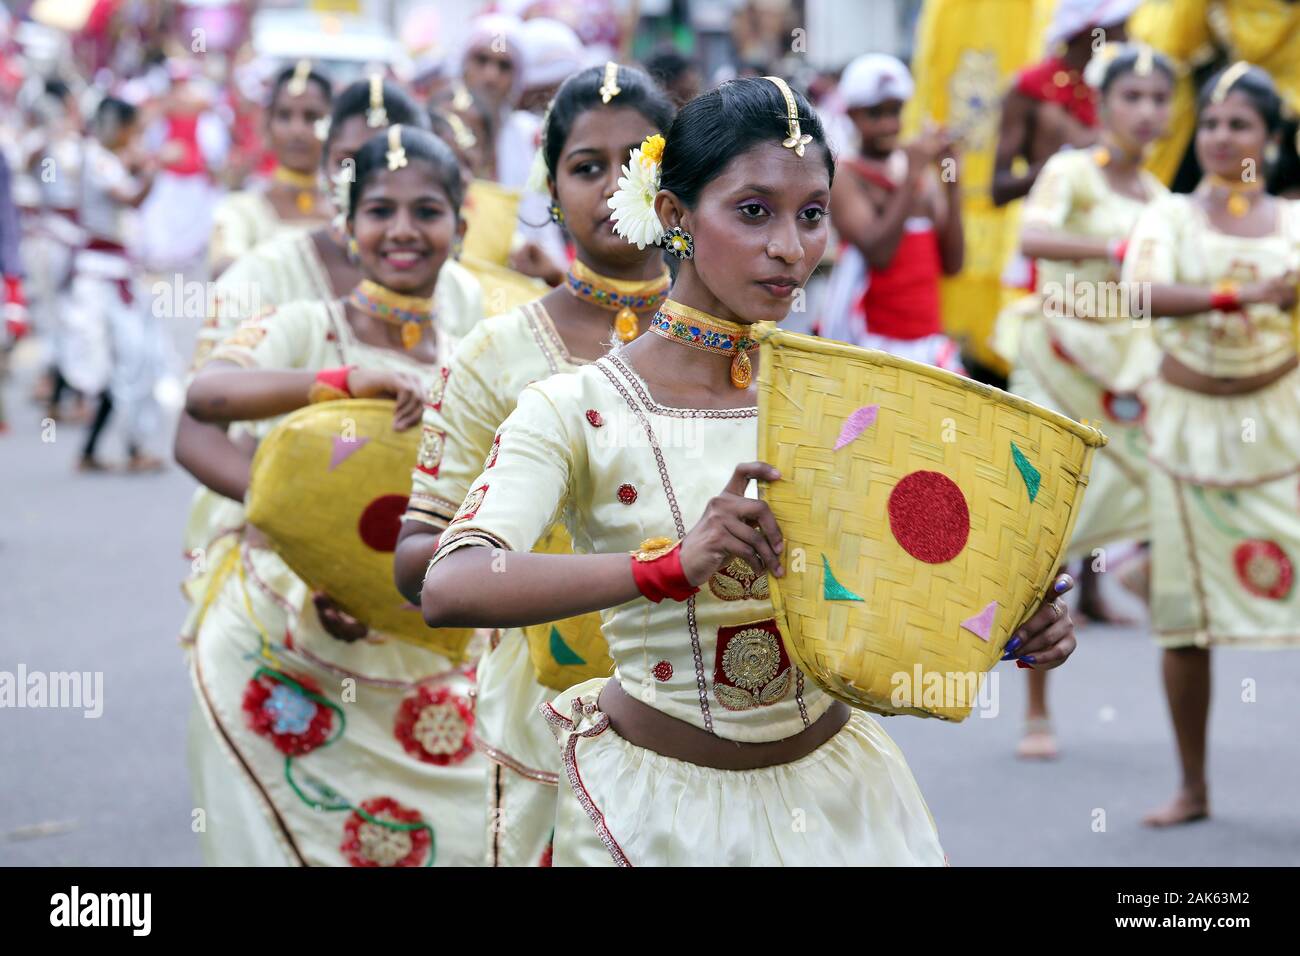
{"points": [[557, 214], [354, 252], [456, 247], [679, 242]]}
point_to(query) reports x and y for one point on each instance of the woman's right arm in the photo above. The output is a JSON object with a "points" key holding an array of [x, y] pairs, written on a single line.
{"points": [[209, 454], [481, 586], [223, 392]]}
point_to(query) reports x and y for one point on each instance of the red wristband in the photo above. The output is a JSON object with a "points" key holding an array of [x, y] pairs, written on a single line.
{"points": [[1226, 300], [336, 378], [662, 577]]}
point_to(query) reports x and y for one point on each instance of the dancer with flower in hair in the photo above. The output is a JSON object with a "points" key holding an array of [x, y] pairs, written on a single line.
{"points": [[610, 291], [707, 742]]}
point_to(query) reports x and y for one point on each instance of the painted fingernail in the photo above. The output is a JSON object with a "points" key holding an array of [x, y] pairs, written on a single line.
{"points": [[1013, 644], [1029, 659], [1008, 656], [1063, 584], [1023, 665]]}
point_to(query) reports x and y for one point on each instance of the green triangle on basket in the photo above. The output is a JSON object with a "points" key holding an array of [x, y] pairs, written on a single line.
{"points": [[1027, 471], [832, 590], [562, 652]]}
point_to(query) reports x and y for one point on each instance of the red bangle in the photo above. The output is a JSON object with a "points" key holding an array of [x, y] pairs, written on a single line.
{"points": [[1118, 249], [662, 577], [331, 385], [336, 378], [1226, 300]]}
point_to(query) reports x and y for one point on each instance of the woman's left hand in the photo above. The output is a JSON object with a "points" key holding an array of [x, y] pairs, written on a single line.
{"points": [[337, 622], [1047, 638]]}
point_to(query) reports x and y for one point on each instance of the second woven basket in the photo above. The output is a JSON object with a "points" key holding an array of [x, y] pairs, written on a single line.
{"points": [[924, 516]]}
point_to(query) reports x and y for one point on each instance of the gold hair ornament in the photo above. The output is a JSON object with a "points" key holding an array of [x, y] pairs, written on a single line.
{"points": [[396, 154], [797, 140], [1146, 61], [376, 115], [1228, 81], [463, 135], [298, 84], [610, 88]]}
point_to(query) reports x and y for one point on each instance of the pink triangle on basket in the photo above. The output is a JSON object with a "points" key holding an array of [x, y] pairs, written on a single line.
{"points": [[344, 449], [981, 625], [856, 424]]}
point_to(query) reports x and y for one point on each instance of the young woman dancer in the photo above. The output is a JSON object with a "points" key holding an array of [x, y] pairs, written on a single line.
{"points": [[313, 266], [292, 201], [596, 119], [393, 760], [1223, 417], [1086, 351], [707, 746]]}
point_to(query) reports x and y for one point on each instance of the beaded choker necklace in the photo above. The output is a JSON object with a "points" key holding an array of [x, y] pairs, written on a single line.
{"points": [[618, 295], [305, 183], [1239, 201], [411, 312], [699, 330]]}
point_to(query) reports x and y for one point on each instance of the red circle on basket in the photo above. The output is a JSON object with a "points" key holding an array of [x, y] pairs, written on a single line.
{"points": [[381, 521], [929, 517], [1264, 569]]}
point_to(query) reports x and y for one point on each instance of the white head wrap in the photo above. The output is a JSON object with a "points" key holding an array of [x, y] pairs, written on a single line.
{"points": [[873, 78], [551, 51], [1075, 16]]}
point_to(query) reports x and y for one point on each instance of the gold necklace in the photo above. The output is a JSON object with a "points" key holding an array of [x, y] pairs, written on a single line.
{"points": [[1239, 200], [699, 330], [410, 312], [305, 183], [624, 297]]}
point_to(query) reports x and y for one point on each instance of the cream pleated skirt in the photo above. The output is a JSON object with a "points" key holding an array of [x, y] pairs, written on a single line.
{"points": [[851, 802], [1115, 503], [521, 747], [333, 754]]}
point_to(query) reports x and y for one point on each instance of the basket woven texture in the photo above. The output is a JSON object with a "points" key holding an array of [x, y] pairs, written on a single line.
{"points": [[915, 547], [329, 485], [571, 651]]}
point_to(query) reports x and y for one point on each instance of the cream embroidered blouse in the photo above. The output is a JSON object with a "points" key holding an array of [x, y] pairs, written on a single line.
{"points": [[1174, 242], [1086, 309], [595, 450]]}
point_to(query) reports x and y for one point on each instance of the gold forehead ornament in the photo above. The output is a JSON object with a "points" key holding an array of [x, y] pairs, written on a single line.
{"points": [[396, 154], [609, 88], [797, 139]]}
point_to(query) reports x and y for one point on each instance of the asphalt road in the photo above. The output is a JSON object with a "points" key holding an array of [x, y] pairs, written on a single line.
{"points": [[89, 572]]}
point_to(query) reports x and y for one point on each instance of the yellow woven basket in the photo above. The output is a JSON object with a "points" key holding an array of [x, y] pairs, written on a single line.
{"points": [[924, 516], [329, 485], [571, 651]]}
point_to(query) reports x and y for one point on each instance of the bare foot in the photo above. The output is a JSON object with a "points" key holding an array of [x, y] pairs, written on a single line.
{"points": [[144, 463], [93, 466], [1187, 806], [1038, 743], [1095, 609]]}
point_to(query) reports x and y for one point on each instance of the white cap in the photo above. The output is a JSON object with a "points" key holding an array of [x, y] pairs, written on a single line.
{"points": [[873, 78]]}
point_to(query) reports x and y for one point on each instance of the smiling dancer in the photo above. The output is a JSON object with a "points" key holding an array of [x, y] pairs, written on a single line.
{"points": [[299, 107], [707, 742], [1085, 351], [287, 771], [1223, 417], [596, 119]]}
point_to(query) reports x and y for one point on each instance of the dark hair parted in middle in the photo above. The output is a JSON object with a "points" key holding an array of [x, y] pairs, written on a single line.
{"points": [[581, 92], [355, 101], [1254, 82], [716, 127], [420, 146], [310, 76]]}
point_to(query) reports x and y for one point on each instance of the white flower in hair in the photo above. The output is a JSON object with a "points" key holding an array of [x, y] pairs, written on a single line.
{"points": [[633, 204], [537, 174]]}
